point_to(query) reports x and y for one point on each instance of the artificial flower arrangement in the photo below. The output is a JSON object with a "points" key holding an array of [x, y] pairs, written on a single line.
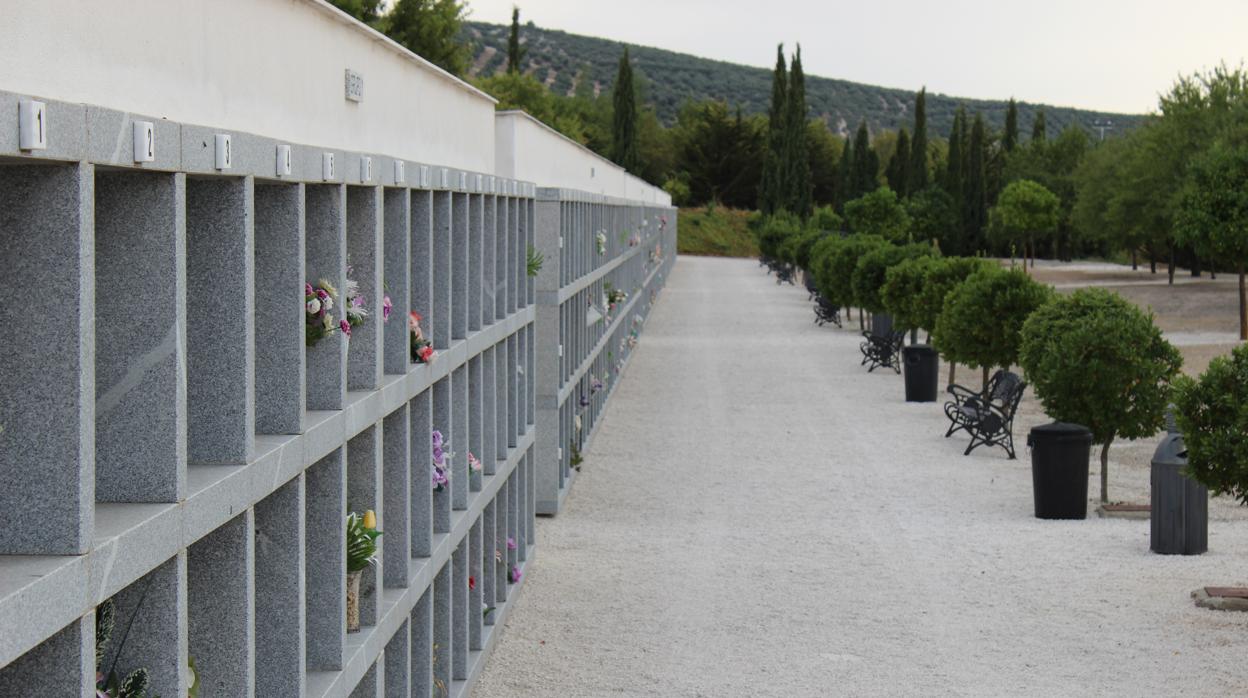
{"points": [[421, 348], [635, 240], [474, 464], [595, 383], [441, 462], [386, 307], [615, 296], [584, 401], [319, 301], [601, 240], [513, 575], [362, 536]]}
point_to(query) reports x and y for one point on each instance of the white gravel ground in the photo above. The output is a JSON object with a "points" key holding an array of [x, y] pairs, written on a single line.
{"points": [[759, 516]]}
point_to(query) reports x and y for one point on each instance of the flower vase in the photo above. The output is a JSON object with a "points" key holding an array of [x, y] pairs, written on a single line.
{"points": [[353, 601]]}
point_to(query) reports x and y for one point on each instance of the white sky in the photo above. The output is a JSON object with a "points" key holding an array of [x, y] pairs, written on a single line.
{"points": [[1113, 55]]}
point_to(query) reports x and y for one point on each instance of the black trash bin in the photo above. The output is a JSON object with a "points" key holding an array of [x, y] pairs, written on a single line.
{"points": [[1059, 469], [922, 367], [1180, 511]]}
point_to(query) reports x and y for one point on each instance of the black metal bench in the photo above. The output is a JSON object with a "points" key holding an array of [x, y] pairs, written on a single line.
{"points": [[826, 312], [989, 422], [882, 350]]}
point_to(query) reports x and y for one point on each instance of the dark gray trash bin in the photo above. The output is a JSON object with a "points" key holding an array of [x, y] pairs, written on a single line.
{"points": [[1059, 469], [881, 324], [1180, 511], [922, 366]]}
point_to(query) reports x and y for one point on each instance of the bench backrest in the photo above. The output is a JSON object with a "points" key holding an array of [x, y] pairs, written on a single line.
{"points": [[1008, 391]]}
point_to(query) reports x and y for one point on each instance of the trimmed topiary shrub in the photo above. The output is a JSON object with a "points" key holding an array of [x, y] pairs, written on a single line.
{"points": [[1095, 359], [902, 292], [943, 275], [1212, 413], [840, 269], [820, 260], [879, 213], [775, 231], [868, 276], [826, 219], [981, 321]]}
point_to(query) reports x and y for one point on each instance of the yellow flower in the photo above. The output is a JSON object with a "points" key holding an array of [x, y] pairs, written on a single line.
{"points": [[370, 519]]}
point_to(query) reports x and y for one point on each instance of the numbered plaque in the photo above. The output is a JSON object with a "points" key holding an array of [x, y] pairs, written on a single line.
{"points": [[224, 155], [144, 141], [284, 164], [400, 174], [32, 127], [327, 167]]}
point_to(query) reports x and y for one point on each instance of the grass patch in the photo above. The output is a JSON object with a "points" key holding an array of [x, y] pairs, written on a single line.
{"points": [[716, 232]]}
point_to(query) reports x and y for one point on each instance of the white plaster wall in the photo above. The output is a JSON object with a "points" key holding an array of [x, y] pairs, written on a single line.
{"points": [[269, 67], [527, 149]]}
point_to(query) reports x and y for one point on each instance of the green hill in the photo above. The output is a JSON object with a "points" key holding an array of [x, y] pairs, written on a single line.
{"points": [[571, 62]]}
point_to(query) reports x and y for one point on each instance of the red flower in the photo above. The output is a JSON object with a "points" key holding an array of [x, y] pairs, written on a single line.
{"points": [[472, 583], [426, 353]]}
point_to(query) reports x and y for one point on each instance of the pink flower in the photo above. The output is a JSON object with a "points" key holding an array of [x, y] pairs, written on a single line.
{"points": [[515, 574], [307, 289], [413, 322], [426, 354], [511, 543], [345, 327], [322, 293], [386, 307]]}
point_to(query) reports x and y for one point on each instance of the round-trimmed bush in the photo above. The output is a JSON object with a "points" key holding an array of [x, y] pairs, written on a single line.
{"points": [[1212, 413], [902, 292], [981, 321], [820, 259], [1095, 359], [775, 231], [868, 276], [840, 268]]}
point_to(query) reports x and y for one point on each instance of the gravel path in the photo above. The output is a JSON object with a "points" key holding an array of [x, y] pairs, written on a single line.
{"points": [[759, 516]]}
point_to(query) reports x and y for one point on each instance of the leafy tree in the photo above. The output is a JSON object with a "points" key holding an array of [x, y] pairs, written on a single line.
{"points": [[871, 271], [520, 91], [981, 320], [825, 218], [975, 201], [367, 11], [776, 231], [1054, 167], [1025, 211], [773, 185], [902, 292], [515, 52], [918, 148], [821, 256], [899, 165], [840, 269], [1212, 413], [1010, 139], [845, 176], [824, 152], [1213, 213], [932, 216], [797, 191], [878, 213], [719, 153], [1096, 359], [1038, 136], [431, 30], [624, 148]]}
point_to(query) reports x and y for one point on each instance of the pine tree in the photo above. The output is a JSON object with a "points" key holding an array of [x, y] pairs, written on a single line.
{"points": [[918, 147], [1038, 137], [975, 189], [953, 178], [797, 196], [1010, 139], [624, 149], [515, 52], [866, 165], [771, 187], [845, 177], [899, 166]]}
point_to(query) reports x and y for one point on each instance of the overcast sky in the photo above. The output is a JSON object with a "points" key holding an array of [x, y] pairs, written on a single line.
{"points": [[1113, 55]]}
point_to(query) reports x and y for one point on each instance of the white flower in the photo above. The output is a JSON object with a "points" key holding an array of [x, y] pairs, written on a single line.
{"points": [[314, 306]]}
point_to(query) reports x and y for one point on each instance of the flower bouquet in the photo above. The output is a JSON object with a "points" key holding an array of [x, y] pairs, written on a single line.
{"points": [[441, 462], [319, 322], [362, 536], [601, 240], [421, 348]]}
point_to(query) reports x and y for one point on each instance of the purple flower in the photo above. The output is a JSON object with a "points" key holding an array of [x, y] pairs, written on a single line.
{"points": [[322, 293], [515, 574], [511, 543], [437, 439], [386, 307], [307, 289], [345, 327]]}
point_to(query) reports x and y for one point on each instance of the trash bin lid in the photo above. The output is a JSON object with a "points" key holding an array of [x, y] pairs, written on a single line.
{"points": [[1171, 450], [1062, 431], [919, 350]]}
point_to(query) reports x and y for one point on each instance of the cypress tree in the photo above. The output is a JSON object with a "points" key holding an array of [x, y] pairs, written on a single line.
{"points": [[918, 147], [953, 178], [1010, 139], [845, 176], [797, 195], [515, 53], [975, 188], [866, 165], [899, 166], [624, 149], [771, 186], [1038, 136]]}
